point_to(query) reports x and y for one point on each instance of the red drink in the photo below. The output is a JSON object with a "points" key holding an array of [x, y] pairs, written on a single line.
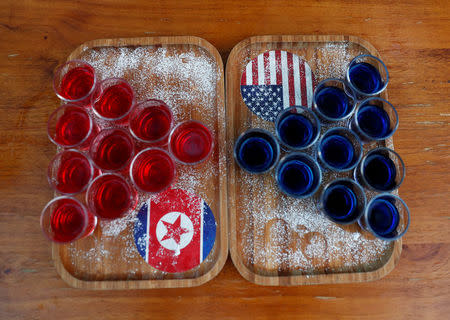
{"points": [[112, 149], [151, 121], [65, 219], [152, 170], [191, 142], [74, 81], [113, 99], [70, 172], [110, 197], [70, 126]]}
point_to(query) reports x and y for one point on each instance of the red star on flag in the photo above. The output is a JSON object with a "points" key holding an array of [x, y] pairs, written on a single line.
{"points": [[174, 230]]}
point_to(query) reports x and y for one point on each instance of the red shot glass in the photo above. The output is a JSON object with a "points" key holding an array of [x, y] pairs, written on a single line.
{"points": [[110, 196], [152, 170], [112, 149], [113, 100], [65, 219], [71, 126], [191, 142], [74, 82], [151, 121]]}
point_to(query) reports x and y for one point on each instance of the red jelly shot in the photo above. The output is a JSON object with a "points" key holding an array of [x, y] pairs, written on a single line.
{"points": [[113, 99], [110, 196], [70, 126], [191, 142], [74, 81], [151, 121], [112, 149], [70, 172], [152, 170], [65, 219]]}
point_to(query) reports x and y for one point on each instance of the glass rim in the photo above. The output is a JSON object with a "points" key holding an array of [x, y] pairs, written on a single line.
{"points": [[366, 218], [213, 144], [262, 131], [350, 96], [159, 139], [350, 181], [361, 168], [65, 106], [84, 211], [320, 155], [361, 93], [307, 110], [109, 131], [314, 163], [60, 67], [133, 101], [146, 150], [59, 154], [363, 103], [133, 192]]}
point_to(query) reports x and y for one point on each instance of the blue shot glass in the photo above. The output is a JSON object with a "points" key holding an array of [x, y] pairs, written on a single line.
{"points": [[297, 128], [256, 151], [339, 149], [333, 100], [381, 169], [298, 175], [343, 201], [367, 75], [386, 216], [374, 119]]}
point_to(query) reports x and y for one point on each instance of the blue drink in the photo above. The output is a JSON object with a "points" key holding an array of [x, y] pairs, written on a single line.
{"points": [[339, 149], [386, 217], [297, 127], [367, 75], [343, 201], [298, 175], [256, 151]]}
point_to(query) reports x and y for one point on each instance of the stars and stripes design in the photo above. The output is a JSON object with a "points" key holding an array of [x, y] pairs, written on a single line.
{"points": [[276, 80]]}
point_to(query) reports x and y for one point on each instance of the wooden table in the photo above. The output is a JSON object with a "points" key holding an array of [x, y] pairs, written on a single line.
{"points": [[412, 36]]}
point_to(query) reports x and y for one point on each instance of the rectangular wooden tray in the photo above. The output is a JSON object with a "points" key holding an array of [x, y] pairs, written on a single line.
{"points": [[109, 258], [276, 240]]}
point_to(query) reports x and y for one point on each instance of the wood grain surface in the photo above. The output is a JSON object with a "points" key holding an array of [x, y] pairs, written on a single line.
{"points": [[412, 36]]}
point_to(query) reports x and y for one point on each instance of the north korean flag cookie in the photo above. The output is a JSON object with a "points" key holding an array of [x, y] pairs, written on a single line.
{"points": [[175, 231], [276, 80]]}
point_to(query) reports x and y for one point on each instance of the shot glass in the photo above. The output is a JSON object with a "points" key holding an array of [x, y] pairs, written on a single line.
{"points": [[386, 217], [112, 149], [298, 175], [74, 82], [65, 219], [256, 151], [151, 121], [113, 100], [110, 196], [333, 101], [152, 170], [71, 126], [339, 149], [374, 119], [191, 142], [382, 169], [367, 75], [343, 201], [70, 172], [297, 128]]}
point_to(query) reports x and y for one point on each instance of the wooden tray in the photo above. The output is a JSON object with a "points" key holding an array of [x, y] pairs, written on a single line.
{"points": [[109, 258], [276, 240]]}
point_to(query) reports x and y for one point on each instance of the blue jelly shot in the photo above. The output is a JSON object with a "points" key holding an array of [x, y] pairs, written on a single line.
{"points": [[297, 128], [343, 201], [367, 75], [256, 151], [331, 102], [387, 217], [298, 175], [339, 149]]}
